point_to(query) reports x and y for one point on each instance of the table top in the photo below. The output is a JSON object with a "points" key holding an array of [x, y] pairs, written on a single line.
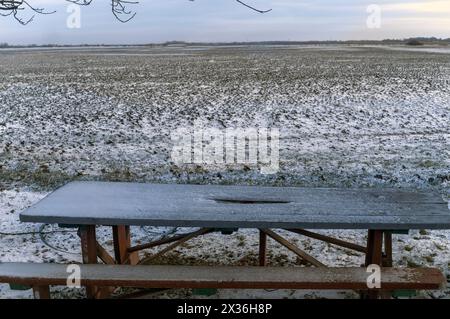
{"points": [[219, 206]]}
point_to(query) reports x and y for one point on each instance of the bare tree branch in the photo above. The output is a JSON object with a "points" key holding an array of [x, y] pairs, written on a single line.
{"points": [[13, 7], [253, 8], [119, 9]]}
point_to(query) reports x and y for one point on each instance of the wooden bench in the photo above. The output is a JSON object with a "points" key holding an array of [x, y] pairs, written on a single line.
{"points": [[41, 276]]}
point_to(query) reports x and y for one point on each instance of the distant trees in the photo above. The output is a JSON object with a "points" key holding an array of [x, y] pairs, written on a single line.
{"points": [[119, 8], [414, 42]]}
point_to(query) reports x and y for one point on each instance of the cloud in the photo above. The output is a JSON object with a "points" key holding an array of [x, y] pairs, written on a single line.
{"points": [[438, 7]]}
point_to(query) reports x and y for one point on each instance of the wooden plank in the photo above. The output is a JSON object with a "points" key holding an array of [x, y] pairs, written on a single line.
{"points": [[293, 248], [213, 206], [222, 276]]}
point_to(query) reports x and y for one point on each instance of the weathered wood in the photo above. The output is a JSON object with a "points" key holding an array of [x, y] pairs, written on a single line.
{"points": [[262, 248], [122, 242], [41, 292], [330, 240], [199, 232], [374, 256], [158, 242], [222, 276], [374, 253], [387, 257], [209, 206], [104, 292], [104, 255], [88, 244], [89, 252], [293, 248]]}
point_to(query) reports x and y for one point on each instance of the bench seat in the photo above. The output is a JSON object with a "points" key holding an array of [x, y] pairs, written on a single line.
{"points": [[41, 275]]}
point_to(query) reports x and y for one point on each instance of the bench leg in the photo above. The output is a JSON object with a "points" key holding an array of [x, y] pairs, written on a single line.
{"points": [[262, 248], [122, 241], [89, 252], [41, 292]]}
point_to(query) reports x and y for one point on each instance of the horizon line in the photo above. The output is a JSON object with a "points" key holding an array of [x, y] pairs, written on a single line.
{"points": [[180, 42]]}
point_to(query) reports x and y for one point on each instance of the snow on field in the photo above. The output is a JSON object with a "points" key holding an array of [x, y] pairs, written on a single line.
{"points": [[428, 49], [366, 117], [349, 117]]}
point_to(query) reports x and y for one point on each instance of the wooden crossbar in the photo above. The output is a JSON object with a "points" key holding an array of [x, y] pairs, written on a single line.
{"points": [[328, 239], [293, 248], [172, 246]]}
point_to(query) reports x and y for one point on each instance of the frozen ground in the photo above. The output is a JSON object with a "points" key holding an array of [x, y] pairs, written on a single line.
{"points": [[349, 117]]}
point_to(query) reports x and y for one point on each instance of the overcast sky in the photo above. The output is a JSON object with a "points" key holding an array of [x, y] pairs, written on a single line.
{"points": [[226, 20]]}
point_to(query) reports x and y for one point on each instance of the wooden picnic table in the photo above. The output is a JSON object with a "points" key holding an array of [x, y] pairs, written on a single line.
{"points": [[217, 207]]}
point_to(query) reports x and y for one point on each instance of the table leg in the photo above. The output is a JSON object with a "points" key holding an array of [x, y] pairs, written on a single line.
{"points": [[374, 256], [387, 249], [122, 241], [374, 253], [89, 251], [262, 248], [387, 259]]}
